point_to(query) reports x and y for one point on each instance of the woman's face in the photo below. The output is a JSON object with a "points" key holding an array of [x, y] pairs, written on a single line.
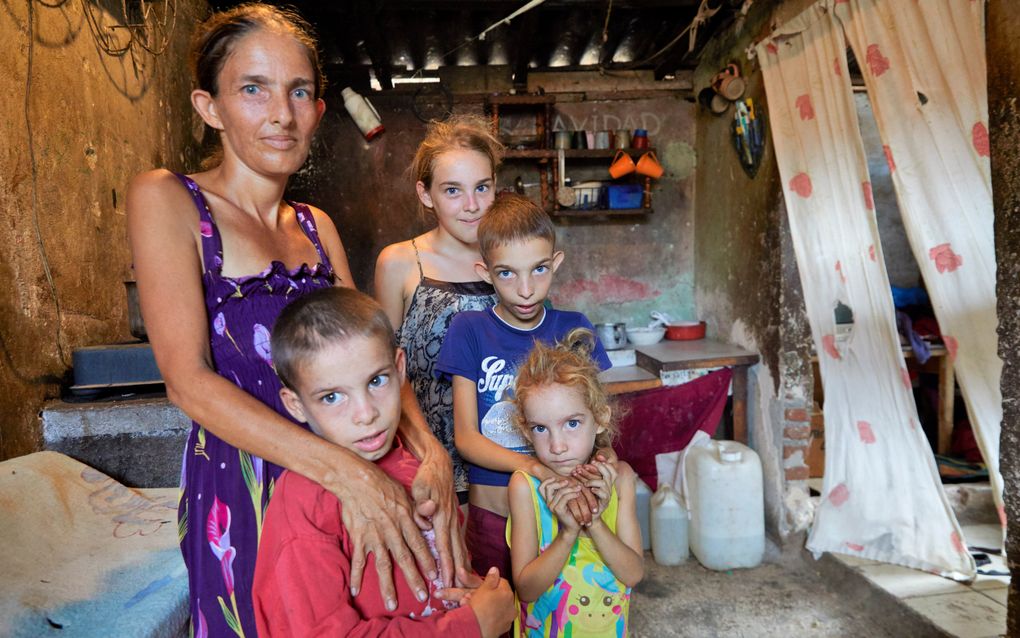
{"points": [[266, 107], [461, 193]]}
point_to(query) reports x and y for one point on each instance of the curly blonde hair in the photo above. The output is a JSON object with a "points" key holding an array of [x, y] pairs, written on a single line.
{"points": [[468, 132], [568, 363]]}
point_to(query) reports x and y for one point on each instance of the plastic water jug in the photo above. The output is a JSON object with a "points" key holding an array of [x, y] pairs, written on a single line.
{"points": [[669, 527], [363, 113], [644, 504], [723, 486]]}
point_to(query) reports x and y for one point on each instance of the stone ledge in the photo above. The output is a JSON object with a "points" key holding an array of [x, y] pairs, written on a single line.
{"points": [[137, 441]]}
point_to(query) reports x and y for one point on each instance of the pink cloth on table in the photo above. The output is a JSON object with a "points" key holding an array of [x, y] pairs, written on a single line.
{"points": [[665, 419]]}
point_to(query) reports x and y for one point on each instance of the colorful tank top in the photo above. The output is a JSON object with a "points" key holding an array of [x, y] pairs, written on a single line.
{"points": [[586, 599], [432, 308]]}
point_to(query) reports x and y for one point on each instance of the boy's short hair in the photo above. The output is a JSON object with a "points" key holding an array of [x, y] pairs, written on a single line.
{"points": [[330, 314], [513, 218]]}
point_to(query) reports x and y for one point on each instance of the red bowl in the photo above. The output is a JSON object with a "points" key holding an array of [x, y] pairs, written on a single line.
{"points": [[686, 331]]}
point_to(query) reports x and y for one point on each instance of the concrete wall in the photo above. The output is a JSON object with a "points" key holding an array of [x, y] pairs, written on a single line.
{"points": [[1003, 25], [79, 123], [616, 269], [746, 285], [899, 260]]}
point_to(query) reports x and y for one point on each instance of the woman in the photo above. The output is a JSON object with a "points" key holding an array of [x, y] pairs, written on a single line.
{"points": [[217, 255]]}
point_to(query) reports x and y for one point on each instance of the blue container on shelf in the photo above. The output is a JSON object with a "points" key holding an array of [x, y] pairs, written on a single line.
{"points": [[625, 195]]}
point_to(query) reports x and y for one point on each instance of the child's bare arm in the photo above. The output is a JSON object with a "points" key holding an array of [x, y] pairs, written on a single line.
{"points": [[622, 551], [474, 446], [535, 573]]}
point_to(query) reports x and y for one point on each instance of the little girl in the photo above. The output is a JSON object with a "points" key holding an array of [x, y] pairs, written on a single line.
{"points": [[423, 282], [571, 581]]}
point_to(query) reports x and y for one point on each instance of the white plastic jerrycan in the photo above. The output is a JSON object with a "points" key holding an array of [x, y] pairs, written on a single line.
{"points": [[363, 113], [669, 527], [644, 511], [723, 486]]}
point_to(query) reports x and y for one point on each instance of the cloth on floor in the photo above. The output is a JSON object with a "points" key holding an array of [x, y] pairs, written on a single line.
{"points": [[665, 420], [83, 555], [953, 470]]}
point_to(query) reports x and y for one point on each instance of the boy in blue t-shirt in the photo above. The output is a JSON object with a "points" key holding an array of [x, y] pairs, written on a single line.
{"points": [[481, 353]]}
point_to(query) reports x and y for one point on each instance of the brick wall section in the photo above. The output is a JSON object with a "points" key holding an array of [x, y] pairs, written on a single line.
{"points": [[796, 440]]}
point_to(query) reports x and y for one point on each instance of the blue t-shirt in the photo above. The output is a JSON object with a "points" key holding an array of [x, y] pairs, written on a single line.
{"points": [[485, 349]]}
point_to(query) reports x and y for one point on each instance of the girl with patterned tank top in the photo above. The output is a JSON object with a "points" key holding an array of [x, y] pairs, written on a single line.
{"points": [[571, 580], [423, 282]]}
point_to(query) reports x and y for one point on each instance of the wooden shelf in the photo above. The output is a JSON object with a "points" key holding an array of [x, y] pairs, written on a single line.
{"points": [[572, 153], [523, 100], [599, 212], [540, 106]]}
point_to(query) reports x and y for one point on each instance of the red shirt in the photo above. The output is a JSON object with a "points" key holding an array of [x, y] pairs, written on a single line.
{"points": [[302, 575]]}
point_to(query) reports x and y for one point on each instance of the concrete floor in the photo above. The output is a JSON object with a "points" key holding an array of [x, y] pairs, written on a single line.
{"points": [[790, 594]]}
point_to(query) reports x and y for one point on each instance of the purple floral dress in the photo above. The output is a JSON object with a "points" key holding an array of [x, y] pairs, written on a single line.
{"points": [[225, 491]]}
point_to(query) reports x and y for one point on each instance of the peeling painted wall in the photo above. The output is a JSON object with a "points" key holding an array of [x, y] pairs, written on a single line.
{"points": [[1003, 50], [746, 283], [616, 269], [94, 120]]}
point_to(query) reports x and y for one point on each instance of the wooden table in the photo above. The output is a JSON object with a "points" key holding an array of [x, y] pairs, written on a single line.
{"points": [[941, 364], [667, 356]]}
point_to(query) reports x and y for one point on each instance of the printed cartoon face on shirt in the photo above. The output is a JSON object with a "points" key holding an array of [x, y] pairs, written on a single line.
{"points": [[596, 602]]}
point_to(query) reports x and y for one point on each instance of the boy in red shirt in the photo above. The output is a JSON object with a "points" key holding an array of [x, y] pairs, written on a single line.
{"points": [[335, 353]]}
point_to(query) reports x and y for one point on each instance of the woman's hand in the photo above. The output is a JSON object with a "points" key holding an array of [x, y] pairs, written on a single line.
{"points": [[436, 507], [379, 520]]}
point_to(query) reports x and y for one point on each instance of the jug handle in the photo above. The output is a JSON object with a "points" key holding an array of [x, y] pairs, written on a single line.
{"points": [[734, 70]]}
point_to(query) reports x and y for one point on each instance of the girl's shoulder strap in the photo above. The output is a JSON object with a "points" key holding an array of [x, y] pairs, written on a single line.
{"points": [[212, 244], [417, 258]]}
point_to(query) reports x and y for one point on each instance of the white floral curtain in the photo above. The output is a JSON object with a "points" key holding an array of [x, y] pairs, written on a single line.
{"points": [[924, 67], [882, 497]]}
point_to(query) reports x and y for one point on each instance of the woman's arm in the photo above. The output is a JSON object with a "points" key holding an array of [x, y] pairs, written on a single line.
{"points": [[163, 232], [432, 490], [623, 550], [435, 502], [475, 447], [534, 573]]}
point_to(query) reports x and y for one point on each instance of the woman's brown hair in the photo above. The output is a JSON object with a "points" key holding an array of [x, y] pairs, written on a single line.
{"points": [[214, 40]]}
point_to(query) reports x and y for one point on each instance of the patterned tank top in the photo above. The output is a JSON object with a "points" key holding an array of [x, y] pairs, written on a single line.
{"points": [[432, 308], [586, 599]]}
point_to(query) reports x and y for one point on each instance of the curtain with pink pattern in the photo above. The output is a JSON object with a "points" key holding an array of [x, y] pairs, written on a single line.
{"points": [[882, 498], [924, 67]]}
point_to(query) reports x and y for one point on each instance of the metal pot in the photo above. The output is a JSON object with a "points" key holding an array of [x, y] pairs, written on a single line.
{"points": [[612, 335], [135, 325]]}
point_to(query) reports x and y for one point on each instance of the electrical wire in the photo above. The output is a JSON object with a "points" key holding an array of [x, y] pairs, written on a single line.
{"points": [[101, 38], [158, 50], [35, 186]]}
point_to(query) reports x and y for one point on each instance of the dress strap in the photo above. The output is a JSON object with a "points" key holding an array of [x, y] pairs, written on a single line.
{"points": [[417, 258], [307, 222], [212, 245]]}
